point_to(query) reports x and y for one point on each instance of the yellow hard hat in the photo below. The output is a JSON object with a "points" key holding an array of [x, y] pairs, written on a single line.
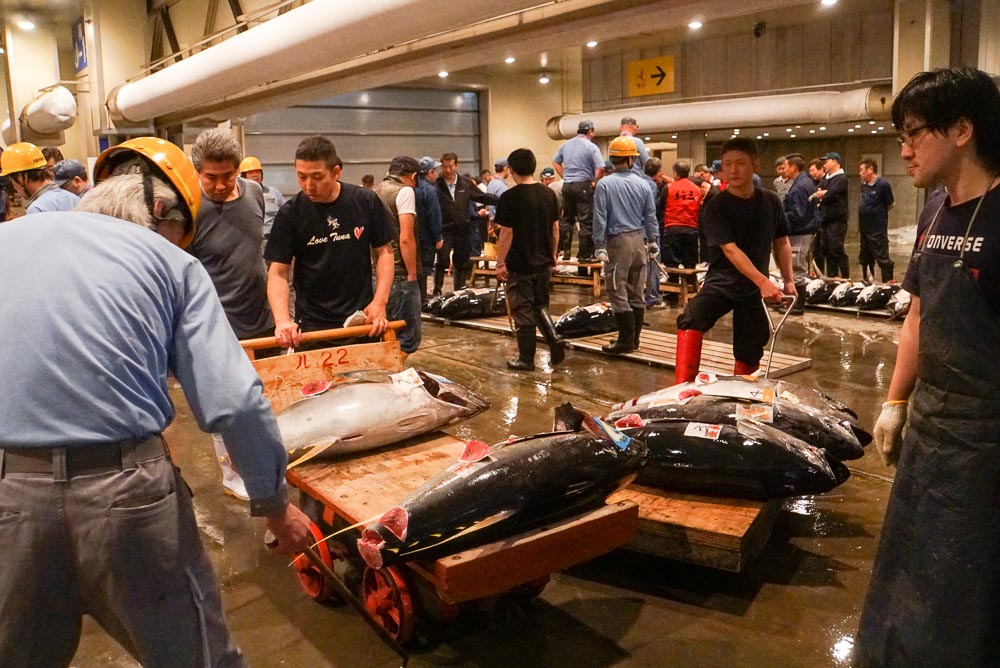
{"points": [[169, 161], [21, 157], [250, 164], [622, 147]]}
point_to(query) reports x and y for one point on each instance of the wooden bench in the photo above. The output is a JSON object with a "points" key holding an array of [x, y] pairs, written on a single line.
{"points": [[481, 268], [685, 287]]}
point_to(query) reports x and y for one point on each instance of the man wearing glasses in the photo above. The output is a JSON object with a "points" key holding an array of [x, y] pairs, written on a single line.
{"points": [[934, 597]]}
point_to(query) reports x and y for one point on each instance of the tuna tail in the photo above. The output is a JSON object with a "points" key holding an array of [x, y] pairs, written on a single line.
{"points": [[568, 418]]}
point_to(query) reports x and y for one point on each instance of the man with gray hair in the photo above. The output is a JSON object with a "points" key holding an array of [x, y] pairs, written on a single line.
{"points": [[86, 480], [229, 244]]}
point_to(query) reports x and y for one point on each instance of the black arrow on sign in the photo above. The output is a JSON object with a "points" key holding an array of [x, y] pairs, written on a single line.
{"points": [[660, 75]]}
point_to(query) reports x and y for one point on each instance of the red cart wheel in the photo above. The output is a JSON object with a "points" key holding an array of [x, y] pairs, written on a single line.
{"points": [[313, 582], [388, 599]]}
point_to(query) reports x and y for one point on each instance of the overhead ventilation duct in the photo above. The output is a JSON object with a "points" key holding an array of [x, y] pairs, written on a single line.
{"points": [[44, 118], [746, 112], [318, 35]]}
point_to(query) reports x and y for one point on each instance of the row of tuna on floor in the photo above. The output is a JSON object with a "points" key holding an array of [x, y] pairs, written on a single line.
{"points": [[738, 436]]}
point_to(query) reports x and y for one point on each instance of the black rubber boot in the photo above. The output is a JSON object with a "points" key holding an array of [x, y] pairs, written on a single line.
{"points": [[638, 316], [526, 344], [438, 281], [626, 335], [800, 303], [557, 351]]}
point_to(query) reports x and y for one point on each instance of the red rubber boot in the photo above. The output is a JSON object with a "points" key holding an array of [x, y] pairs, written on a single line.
{"points": [[688, 355], [744, 369]]}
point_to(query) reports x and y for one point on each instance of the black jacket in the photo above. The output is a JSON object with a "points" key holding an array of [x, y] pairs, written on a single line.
{"points": [[833, 206], [456, 213]]}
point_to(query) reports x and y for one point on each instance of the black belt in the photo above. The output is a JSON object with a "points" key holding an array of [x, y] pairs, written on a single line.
{"points": [[63, 463], [621, 234]]}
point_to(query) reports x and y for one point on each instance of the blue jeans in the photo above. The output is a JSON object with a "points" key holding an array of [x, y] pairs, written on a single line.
{"points": [[404, 304]]}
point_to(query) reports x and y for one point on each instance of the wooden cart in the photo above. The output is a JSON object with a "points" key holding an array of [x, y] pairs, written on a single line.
{"points": [[343, 492]]}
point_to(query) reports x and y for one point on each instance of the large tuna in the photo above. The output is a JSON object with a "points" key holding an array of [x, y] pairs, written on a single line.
{"points": [[346, 417], [470, 303], [899, 305], [846, 294], [586, 321], [745, 459], [818, 291], [500, 490], [801, 412], [876, 296]]}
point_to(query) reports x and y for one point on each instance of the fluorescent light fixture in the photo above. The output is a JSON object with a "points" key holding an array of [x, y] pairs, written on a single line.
{"points": [[695, 25], [25, 24], [591, 44], [509, 59], [443, 74]]}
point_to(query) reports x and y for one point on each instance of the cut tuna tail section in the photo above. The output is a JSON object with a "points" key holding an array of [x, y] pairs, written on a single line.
{"points": [[370, 547], [396, 521]]}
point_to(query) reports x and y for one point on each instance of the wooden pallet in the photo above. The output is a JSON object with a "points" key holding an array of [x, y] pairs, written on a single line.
{"points": [[709, 531], [655, 348], [361, 488], [481, 269]]}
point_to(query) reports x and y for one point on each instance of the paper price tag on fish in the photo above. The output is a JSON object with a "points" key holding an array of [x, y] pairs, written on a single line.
{"points": [[703, 430], [620, 440], [594, 308], [759, 412], [739, 390], [407, 378]]}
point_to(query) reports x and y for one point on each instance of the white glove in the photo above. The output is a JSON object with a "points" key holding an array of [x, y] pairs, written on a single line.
{"points": [[602, 256], [888, 433], [652, 249]]}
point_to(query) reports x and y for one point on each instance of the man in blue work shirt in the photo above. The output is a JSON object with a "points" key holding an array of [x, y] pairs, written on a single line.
{"points": [[580, 164], [625, 231], [27, 168], [100, 310], [429, 237], [873, 222], [629, 126], [803, 221]]}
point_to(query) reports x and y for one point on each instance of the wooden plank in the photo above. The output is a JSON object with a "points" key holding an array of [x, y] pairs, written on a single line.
{"points": [[283, 376], [655, 348], [715, 532], [497, 567]]}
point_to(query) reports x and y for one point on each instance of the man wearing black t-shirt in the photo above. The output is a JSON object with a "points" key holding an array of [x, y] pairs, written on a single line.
{"points": [[528, 217], [743, 225], [331, 230]]}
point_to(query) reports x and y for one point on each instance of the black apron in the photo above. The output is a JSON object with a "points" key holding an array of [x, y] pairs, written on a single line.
{"points": [[934, 597]]}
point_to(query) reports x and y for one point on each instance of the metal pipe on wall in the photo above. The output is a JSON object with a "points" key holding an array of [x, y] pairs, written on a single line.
{"points": [[308, 38], [813, 107]]}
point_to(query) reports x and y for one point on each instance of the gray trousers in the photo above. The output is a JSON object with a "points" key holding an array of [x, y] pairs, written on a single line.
{"points": [[121, 546], [801, 243], [625, 274]]}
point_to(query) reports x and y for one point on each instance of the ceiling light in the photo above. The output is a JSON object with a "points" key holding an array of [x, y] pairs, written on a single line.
{"points": [[695, 25], [648, 139], [673, 136], [858, 126], [509, 59], [759, 137], [2, 51], [871, 122], [881, 127], [792, 136], [25, 24], [822, 127], [736, 131], [874, 132], [828, 3], [442, 74], [788, 129], [767, 134], [850, 129], [591, 44], [812, 132], [544, 79]]}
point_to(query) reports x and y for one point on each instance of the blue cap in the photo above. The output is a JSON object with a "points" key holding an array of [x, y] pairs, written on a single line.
{"points": [[547, 173], [584, 127], [716, 165], [833, 156], [427, 163]]}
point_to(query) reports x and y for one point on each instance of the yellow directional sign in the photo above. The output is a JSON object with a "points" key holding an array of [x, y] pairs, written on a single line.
{"points": [[651, 76]]}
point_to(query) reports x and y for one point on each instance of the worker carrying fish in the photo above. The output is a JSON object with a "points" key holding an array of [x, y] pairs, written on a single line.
{"points": [[934, 598], [100, 305], [743, 225], [625, 230], [528, 218]]}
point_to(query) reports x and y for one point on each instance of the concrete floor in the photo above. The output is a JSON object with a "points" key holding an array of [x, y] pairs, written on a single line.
{"points": [[797, 604]]}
